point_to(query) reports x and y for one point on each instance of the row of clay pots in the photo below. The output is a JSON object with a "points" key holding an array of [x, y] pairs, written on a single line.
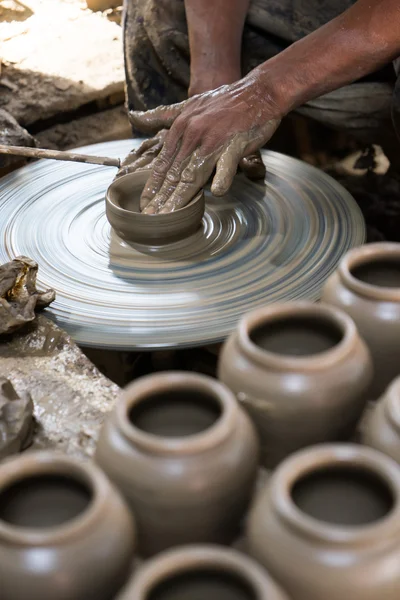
{"points": [[184, 453], [326, 525], [304, 372]]}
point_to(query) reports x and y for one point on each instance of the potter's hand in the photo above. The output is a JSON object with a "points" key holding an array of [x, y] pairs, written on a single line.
{"points": [[212, 130], [143, 157]]}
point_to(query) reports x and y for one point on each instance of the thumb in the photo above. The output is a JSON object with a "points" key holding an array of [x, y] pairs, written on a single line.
{"points": [[151, 121]]}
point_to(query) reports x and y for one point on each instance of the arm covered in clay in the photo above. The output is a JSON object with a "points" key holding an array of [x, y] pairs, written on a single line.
{"points": [[218, 128]]}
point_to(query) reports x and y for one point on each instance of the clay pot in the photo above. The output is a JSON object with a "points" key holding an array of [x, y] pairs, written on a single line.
{"points": [[367, 286], [124, 216], [381, 428], [185, 457], [301, 371], [65, 532], [202, 573], [327, 525]]}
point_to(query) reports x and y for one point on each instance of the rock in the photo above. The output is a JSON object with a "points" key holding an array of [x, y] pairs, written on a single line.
{"points": [[19, 298], [12, 134], [70, 396], [16, 419]]}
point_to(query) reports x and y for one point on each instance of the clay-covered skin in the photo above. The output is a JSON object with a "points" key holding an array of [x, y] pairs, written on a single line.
{"points": [[184, 165], [143, 157], [16, 419], [202, 572], [366, 285], [185, 457], [381, 426], [327, 524], [302, 373], [218, 129], [65, 532]]}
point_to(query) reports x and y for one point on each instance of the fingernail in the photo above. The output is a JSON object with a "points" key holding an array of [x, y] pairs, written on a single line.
{"points": [[149, 210]]}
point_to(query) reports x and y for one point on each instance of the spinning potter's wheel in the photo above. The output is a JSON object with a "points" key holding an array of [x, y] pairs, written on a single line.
{"points": [[261, 244]]}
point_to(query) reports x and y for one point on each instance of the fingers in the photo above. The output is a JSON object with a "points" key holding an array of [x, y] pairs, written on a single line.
{"points": [[193, 178], [180, 170], [163, 166], [151, 121], [226, 168], [253, 166]]}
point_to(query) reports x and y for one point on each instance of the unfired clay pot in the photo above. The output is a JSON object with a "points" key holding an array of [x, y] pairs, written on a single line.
{"points": [[381, 428], [202, 573], [367, 286], [65, 532], [124, 215], [302, 372], [327, 525], [184, 455]]}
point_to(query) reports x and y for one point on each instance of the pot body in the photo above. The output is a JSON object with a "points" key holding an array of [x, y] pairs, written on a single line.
{"points": [[87, 557], [381, 428], [312, 559], [374, 309], [297, 402], [200, 572], [193, 489]]}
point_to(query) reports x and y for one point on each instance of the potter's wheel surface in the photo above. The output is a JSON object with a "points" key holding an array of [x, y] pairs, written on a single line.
{"points": [[261, 244]]}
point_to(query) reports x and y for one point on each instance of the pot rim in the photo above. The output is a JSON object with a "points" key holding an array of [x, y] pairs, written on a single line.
{"points": [[202, 556], [328, 455], [391, 403], [368, 254], [40, 463], [311, 362], [163, 217], [147, 386]]}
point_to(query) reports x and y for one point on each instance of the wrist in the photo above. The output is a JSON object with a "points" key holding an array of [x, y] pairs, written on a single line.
{"points": [[205, 79]]}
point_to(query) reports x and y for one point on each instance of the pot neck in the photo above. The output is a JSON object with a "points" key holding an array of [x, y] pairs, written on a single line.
{"points": [[176, 562], [368, 255], [391, 403], [299, 310], [179, 382], [14, 471], [335, 456]]}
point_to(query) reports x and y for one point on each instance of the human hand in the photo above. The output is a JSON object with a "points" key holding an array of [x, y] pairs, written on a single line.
{"points": [[216, 129], [143, 157]]}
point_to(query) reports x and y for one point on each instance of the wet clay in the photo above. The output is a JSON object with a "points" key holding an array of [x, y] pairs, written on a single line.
{"points": [[383, 273], [65, 532], [16, 419], [326, 524], [301, 371], [175, 414], [184, 454], [43, 501], [366, 285], [296, 336], [345, 497], [203, 585]]}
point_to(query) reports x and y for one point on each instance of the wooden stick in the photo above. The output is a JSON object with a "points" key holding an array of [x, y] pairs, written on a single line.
{"points": [[58, 155]]}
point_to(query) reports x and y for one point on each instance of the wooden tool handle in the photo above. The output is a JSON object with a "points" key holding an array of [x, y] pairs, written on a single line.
{"points": [[58, 155]]}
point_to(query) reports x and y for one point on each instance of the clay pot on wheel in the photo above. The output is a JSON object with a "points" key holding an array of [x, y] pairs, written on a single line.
{"points": [[302, 371], [381, 428], [327, 525], [366, 286], [202, 573], [185, 457], [65, 532]]}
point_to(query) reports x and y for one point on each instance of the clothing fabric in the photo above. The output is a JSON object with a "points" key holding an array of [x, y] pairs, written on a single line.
{"points": [[157, 61]]}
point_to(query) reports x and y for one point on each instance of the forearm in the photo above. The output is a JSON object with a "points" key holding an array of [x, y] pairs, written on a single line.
{"points": [[215, 38], [358, 42]]}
